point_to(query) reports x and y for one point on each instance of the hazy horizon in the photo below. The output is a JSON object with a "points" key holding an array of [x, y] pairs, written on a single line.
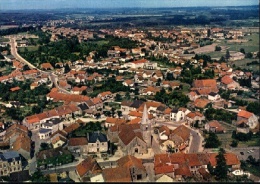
{"points": [[61, 4]]}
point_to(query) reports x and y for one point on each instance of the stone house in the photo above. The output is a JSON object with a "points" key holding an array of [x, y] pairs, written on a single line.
{"points": [[10, 162], [78, 146], [192, 117], [88, 168], [134, 166], [23, 146], [214, 126], [250, 118], [181, 138], [97, 142]]}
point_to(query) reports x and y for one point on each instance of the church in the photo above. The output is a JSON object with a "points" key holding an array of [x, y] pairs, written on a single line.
{"points": [[133, 138]]}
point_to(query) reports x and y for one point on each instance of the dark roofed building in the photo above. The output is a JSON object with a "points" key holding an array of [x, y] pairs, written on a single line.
{"points": [[136, 104], [10, 162], [21, 176], [97, 142]]}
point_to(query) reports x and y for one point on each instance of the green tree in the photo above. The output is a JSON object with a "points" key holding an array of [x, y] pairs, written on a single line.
{"points": [[119, 113], [66, 68], [227, 55], [39, 177], [222, 59], [127, 95], [118, 97], [253, 107], [234, 143], [217, 48], [249, 55], [221, 169], [170, 149], [212, 141], [242, 50]]}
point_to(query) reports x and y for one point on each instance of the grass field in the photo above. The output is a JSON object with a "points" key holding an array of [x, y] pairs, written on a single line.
{"points": [[30, 48], [242, 64], [251, 46], [2, 39]]}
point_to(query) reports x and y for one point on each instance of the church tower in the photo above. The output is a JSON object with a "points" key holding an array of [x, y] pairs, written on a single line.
{"points": [[146, 127]]}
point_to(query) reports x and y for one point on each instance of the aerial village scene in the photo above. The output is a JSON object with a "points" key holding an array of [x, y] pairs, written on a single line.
{"points": [[140, 91]]}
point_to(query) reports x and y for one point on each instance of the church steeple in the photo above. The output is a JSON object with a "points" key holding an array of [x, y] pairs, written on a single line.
{"points": [[145, 119], [146, 127]]}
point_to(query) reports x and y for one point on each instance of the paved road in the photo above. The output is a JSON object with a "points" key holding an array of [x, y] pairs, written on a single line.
{"points": [[53, 77], [14, 52], [245, 154], [59, 169], [196, 143]]}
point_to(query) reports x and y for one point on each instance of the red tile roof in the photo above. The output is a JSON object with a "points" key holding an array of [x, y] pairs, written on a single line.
{"points": [[201, 102], [46, 66], [71, 128], [164, 169], [78, 141], [183, 171], [182, 131], [231, 159], [140, 61], [216, 125], [226, 80], [118, 174], [244, 114], [22, 143], [130, 161], [166, 129], [89, 165], [15, 89]]}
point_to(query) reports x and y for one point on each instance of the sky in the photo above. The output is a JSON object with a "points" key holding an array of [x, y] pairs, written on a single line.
{"points": [[55, 4]]}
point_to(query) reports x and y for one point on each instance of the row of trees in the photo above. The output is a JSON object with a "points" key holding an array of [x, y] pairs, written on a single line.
{"points": [[220, 115], [175, 98]]}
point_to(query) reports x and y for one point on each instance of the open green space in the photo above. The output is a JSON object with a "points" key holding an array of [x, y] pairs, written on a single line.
{"points": [[243, 64], [252, 45], [2, 39], [29, 48]]}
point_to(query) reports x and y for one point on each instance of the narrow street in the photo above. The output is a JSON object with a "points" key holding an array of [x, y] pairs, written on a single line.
{"points": [[52, 76]]}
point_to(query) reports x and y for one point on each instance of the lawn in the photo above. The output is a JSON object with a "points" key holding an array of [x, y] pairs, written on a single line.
{"points": [[242, 64], [253, 142], [30, 48], [185, 88], [251, 46], [2, 39], [225, 139]]}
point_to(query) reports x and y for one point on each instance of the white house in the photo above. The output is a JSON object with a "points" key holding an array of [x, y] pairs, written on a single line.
{"points": [[179, 114], [213, 96]]}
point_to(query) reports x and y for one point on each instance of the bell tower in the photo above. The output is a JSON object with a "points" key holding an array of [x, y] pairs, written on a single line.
{"points": [[146, 127]]}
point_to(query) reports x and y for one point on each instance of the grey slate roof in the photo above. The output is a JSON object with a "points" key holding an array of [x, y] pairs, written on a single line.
{"points": [[9, 156], [137, 103], [44, 130], [94, 136]]}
